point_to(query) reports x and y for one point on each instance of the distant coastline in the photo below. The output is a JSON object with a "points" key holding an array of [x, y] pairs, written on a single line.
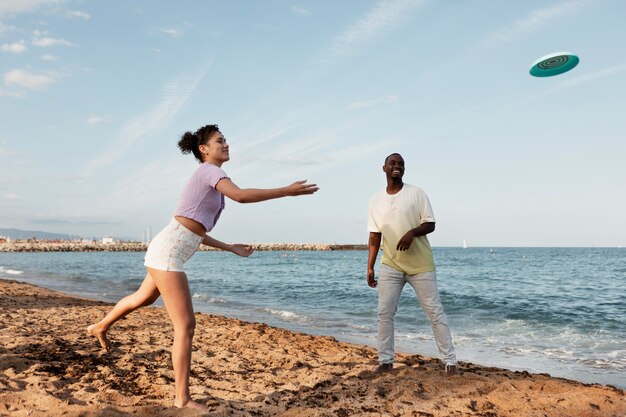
{"points": [[95, 246]]}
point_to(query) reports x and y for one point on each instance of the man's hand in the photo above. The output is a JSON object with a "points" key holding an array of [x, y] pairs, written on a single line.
{"points": [[371, 280], [242, 250], [406, 241]]}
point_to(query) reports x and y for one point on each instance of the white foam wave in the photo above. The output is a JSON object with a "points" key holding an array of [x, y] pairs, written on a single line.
{"points": [[283, 313], [208, 299], [13, 272], [415, 336]]}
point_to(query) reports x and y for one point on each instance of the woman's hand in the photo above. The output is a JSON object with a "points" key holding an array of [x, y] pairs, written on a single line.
{"points": [[242, 250], [300, 188]]}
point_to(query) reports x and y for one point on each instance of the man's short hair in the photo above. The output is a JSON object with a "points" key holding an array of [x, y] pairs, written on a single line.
{"points": [[390, 155]]}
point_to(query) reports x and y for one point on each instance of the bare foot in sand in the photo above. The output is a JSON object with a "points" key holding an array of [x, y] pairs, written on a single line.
{"points": [[94, 331], [194, 406]]}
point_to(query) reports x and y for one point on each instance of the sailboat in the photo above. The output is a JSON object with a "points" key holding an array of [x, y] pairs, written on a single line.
{"points": [[464, 244]]}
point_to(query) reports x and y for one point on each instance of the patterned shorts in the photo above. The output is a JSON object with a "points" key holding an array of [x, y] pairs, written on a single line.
{"points": [[172, 247]]}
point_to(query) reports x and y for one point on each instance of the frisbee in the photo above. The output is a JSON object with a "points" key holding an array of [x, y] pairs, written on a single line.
{"points": [[553, 64]]}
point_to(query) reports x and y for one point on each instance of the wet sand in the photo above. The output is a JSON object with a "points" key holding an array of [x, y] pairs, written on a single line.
{"points": [[49, 366]]}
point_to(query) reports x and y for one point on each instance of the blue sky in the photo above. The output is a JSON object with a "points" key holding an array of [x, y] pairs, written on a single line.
{"points": [[94, 96]]}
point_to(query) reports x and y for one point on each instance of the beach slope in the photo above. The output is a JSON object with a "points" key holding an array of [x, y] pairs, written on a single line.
{"points": [[49, 366]]}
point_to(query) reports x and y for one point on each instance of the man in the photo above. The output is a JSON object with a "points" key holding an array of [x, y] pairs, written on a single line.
{"points": [[402, 215]]}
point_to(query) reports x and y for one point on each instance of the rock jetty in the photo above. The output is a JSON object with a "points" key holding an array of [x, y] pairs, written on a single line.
{"points": [[94, 246]]}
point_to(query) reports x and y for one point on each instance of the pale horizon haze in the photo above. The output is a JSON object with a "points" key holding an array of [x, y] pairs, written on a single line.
{"points": [[95, 95]]}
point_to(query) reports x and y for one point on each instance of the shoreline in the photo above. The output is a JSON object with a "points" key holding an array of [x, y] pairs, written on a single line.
{"points": [[51, 367], [71, 246]]}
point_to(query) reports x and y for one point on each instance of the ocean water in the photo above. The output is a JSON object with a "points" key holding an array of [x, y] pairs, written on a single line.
{"points": [[560, 311]]}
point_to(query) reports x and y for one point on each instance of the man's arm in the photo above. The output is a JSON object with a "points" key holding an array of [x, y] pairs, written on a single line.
{"points": [[421, 230], [373, 246]]}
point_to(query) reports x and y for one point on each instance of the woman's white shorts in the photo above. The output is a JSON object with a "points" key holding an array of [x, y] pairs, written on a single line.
{"points": [[172, 247]]}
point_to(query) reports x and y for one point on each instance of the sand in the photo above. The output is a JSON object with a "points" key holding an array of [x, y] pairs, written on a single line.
{"points": [[50, 367]]}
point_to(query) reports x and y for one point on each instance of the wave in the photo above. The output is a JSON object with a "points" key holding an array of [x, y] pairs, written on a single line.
{"points": [[209, 299], [283, 313], [10, 271]]}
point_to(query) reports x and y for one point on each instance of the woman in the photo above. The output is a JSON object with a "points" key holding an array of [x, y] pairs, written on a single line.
{"points": [[199, 208]]}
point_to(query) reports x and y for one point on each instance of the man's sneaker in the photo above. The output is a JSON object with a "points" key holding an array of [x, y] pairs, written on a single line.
{"points": [[451, 370], [384, 367]]}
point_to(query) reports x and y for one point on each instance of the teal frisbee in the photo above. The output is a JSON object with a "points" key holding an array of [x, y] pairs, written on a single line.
{"points": [[553, 64]]}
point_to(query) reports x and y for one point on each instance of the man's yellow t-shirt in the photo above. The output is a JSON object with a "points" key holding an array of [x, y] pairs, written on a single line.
{"points": [[395, 214]]}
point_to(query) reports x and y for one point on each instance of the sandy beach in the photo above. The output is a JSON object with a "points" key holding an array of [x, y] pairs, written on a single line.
{"points": [[51, 367]]}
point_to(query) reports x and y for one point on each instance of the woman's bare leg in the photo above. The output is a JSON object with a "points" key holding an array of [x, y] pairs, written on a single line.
{"points": [[174, 288], [145, 295]]}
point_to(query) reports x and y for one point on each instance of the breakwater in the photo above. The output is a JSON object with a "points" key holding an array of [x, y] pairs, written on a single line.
{"points": [[72, 246]]}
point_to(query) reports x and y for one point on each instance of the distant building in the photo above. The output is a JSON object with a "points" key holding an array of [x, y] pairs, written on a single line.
{"points": [[107, 240], [4, 239]]}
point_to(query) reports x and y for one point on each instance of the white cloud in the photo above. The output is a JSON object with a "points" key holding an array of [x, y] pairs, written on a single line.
{"points": [[300, 11], [20, 6], [16, 47], [76, 14], [372, 103], [4, 28], [10, 196], [49, 57], [4, 93], [382, 18], [6, 152], [96, 120], [596, 75], [27, 79], [581, 79], [173, 32], [175, 94], [535, 20], [41, 39]]}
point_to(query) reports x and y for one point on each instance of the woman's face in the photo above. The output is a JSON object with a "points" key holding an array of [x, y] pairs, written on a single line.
{"points": [[215, 150]]}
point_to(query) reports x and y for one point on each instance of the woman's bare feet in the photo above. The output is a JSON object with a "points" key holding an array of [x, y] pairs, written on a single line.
{"points": [[101, 335], [194, 406]]}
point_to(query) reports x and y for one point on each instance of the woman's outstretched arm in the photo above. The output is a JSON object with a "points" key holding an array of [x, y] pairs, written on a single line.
{"points": [[254, 195], [237, 249]]}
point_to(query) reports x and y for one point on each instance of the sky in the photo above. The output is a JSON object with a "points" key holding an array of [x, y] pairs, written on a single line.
{"points": [[94, 96]]}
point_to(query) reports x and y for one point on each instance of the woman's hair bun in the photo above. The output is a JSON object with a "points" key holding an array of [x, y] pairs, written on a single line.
{"points": [[188, 142]]}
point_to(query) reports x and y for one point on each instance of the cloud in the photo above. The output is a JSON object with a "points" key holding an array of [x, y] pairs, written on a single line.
{"points": [[384, 17], [596, 75], [316, 149], [4, 93], [46, 42], [300, 10], [48, 57], [95, 120], [75, 14], [85, 220], [6, 152], [4, 28], [28, 79], [20, 6], [535, 20], [173, 32], [16, 47], [372, 103], [10, 197], [175, 94], [582, 79]]}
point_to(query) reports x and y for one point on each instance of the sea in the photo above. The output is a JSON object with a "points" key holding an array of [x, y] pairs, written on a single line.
{"points": [[560, 311]]}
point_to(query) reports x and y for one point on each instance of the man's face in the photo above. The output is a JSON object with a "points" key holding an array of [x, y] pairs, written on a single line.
{"points": [[394, 166]]}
